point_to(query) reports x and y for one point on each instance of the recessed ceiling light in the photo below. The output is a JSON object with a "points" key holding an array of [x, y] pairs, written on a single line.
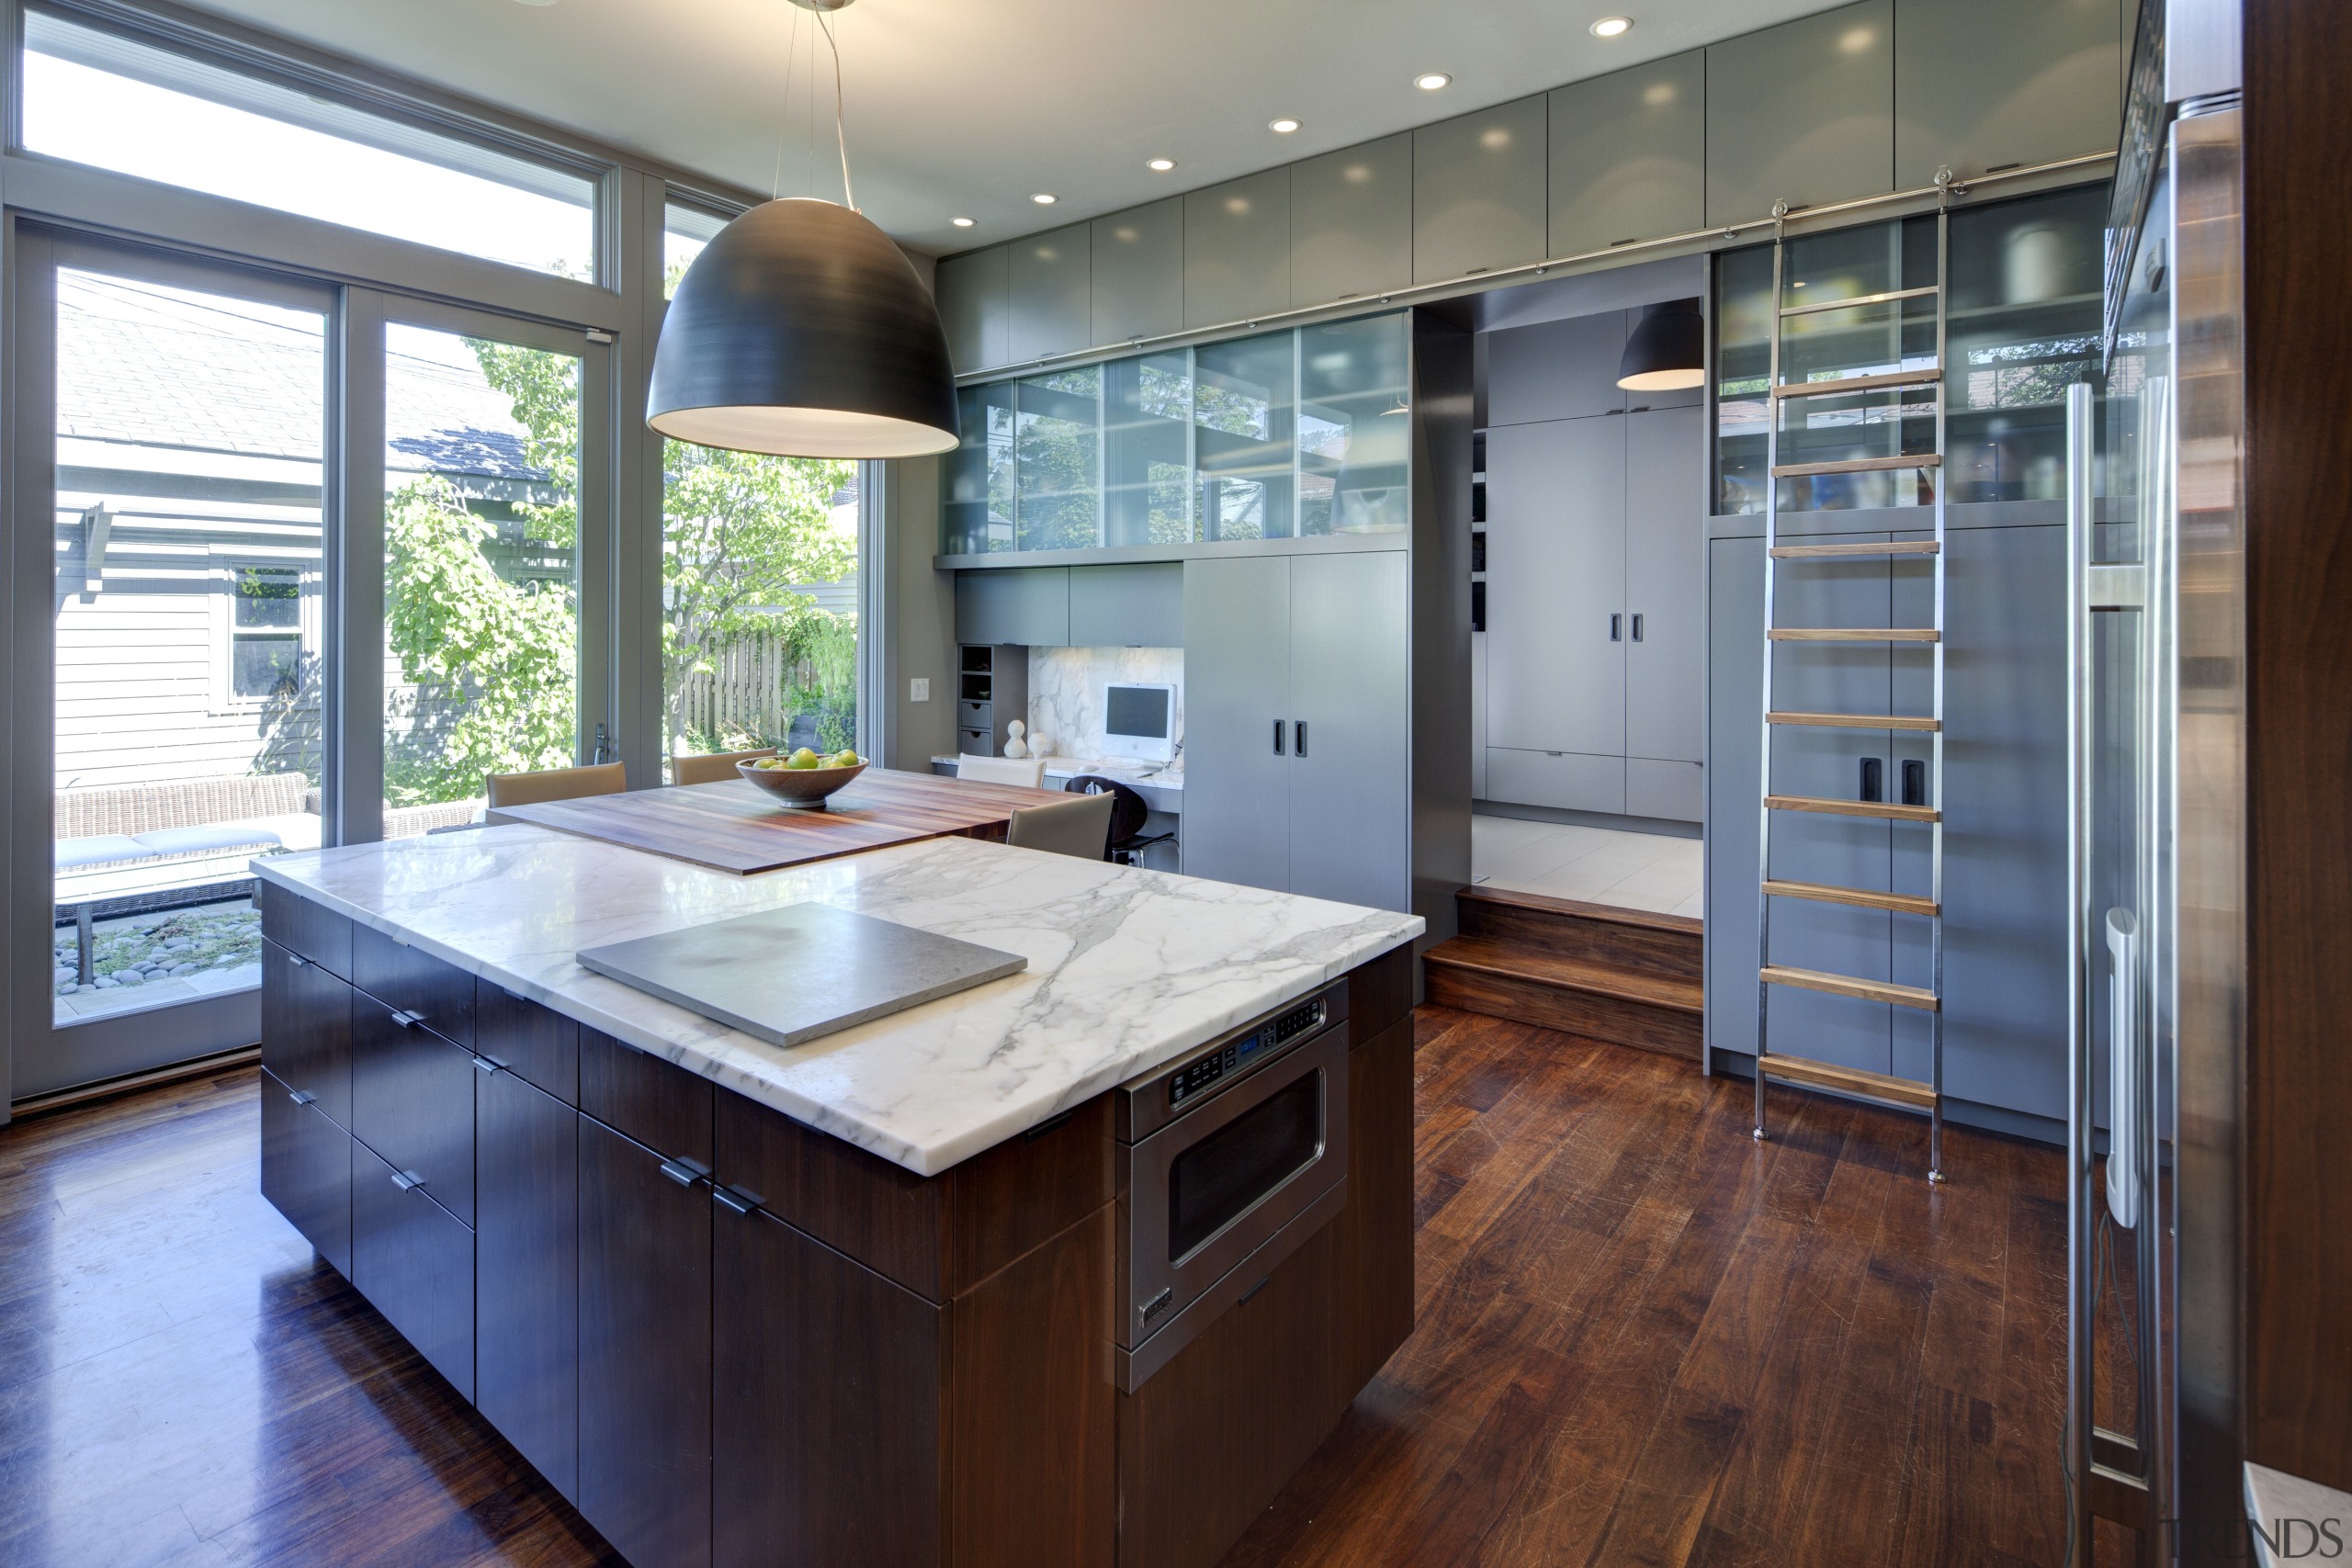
{"points": [[1281, 126], [961, 223], [1160, 165], [1613, 26], [1431, 81], [1045, 198]]}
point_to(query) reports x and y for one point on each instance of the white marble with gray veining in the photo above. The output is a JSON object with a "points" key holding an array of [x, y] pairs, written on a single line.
{"points": [[1066, 694], [1127, 968]]}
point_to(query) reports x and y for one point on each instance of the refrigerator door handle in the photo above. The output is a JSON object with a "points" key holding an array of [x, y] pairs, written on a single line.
{"points": [[2126, 1097]]}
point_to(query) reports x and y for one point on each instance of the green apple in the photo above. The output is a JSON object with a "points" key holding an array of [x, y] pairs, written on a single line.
{"points": [[804, 758], [844, 759]]}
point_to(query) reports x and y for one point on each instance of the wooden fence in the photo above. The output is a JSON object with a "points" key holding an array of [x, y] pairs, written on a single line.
{"points": [[744, 689]]}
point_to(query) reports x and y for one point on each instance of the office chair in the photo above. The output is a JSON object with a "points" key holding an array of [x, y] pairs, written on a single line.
{"points": [[1129, 841]]}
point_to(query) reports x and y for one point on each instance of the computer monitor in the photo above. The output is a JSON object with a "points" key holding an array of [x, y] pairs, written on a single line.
{"points": [[1140, 721]]}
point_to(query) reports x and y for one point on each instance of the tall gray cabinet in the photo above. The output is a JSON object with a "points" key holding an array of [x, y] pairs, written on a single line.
{"points": [[1297, 704], [2003, 804]]}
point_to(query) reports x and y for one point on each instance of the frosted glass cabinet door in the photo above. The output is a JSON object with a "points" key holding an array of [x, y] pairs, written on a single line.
{"points": [[975, 308], [1351, 221], [1555, 582], [1052, 292], [1666, 525], [1984, 84], [1479, 196], [1139, 272], [1801, 113], [1629, 153], [1237, 249]]}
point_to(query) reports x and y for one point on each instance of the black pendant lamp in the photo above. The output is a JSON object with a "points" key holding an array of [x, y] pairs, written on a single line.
{"points": [[803, 331], [1668, 351]]}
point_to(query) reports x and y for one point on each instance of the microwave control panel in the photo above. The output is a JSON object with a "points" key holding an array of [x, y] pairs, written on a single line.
{"points": [[1217, 1065]]}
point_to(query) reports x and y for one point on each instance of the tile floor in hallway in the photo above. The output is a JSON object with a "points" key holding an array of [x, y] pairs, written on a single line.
{"points": [[1596, 865]]}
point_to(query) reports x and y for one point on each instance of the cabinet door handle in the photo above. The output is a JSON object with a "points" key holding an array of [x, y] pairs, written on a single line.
{"points": [[489, 1065], [1873, 786], [1298, 744], [407, 1180], [684, 1172], [1616, 628], [1915, 782], [1638, 625], [407, 1020], [302, 1096], [731, 1200], [1278, 737], [297, 960]]}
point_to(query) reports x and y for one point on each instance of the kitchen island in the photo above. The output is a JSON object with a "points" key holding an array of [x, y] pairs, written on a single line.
{"points": [[871, 1299]]}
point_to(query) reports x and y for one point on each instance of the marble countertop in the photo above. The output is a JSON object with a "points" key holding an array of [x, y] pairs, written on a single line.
{"points": [[1127, 968]]}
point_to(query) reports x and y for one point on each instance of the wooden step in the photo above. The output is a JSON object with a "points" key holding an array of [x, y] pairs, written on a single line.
{"points": [[1598, 1001], [1828, 807], [1857, 466], [1856, 720], [1927, 378], [1860, 898], [1855, 634], [1834, 552], [1634, 940], [1848, 985], [1850, 1080]]}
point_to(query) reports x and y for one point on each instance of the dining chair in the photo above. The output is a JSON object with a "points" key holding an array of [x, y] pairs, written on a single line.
{"points": [[1080, 826], [713, 767], [554, 783], [1029, 770]]}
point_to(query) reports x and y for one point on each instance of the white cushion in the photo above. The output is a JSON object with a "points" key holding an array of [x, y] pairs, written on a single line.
{"points": [[104, 848], [212, 836]]}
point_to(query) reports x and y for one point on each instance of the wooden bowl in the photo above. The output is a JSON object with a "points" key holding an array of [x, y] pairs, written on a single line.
{"points": [[803, 789]]}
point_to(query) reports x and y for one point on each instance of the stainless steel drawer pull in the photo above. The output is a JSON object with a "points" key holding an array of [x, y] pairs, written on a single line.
{"points": [[489, 1065], [407, 1180], [728, 1198], [407, 1020], [302, 1096], [684, 1172], [297, 960]]}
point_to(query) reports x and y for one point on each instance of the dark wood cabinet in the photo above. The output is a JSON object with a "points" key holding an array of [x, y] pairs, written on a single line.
{"points": [[645, 1349], [826, 1418], [412, 1102], [536, 1044], [306, 1170], [304, 926], [414, 1261], [1375, 1230], [527, 1281], [306, 1030], [439, 996], [642, 1097]]}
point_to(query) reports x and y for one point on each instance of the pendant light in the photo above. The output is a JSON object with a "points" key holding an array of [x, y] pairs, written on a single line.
{"points": [[1668, 351], [803, 331]]}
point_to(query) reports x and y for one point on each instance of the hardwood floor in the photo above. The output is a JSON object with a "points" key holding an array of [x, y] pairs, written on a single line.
{"points": [[1642, 1338]]}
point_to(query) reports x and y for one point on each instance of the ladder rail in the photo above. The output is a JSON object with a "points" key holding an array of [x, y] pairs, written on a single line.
{"points": [[1940, 480], [1764, 727]]}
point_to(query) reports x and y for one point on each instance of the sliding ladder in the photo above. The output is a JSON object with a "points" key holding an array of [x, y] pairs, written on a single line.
{"points": [[1880, 1087]]}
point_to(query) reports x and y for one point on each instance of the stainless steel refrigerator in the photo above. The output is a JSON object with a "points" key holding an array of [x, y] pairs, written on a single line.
{"points": [[2157, 758]]}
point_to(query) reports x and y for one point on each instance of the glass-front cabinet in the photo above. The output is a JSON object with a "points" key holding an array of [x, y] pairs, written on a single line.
{"points": [[1280, 435]]}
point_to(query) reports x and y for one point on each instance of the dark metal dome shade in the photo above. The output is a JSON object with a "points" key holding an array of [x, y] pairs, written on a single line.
{"points": [[1668, 351], [802, 331]]}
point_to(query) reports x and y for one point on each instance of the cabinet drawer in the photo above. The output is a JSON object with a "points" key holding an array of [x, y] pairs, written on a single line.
{"points": [[1569, 780], [527, 1301], [415, 1262], [664, 1107], [306, 1029], [441, 995], [306, 1171], [1676, 791], [312, 930], [536, 1044], [412, 1102], [975, 715], [975, 742]]}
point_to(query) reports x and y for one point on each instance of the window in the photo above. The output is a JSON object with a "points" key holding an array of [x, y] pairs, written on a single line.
{"points": [[265, 633], [122, 105], [684, 232]]}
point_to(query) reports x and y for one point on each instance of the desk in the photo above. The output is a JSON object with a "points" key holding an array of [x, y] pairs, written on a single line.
{"points": [[735, 825], [1163, 791]]}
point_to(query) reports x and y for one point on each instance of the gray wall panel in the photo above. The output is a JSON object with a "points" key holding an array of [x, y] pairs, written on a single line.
{"points": [[1480, 197], [1985, 84], [1351, 221], [1052, 292], [1139, 272], [975, 306], [1804, 112], [1628, 155], [1556, 576], [1237, 249], [1556, 371], [1127, 606], [1351, 825]]}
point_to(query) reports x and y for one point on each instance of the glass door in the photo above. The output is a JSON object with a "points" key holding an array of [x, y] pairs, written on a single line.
{"points": [[183, 412]]}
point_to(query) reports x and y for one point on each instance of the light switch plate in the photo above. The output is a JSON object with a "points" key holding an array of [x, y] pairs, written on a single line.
{"points": [[919, 689]]}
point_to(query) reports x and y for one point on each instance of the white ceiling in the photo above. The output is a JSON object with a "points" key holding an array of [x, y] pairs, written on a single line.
{"points": [[968, 107]]}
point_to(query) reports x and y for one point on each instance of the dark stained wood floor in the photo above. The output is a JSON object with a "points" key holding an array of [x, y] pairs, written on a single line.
{"points": [[1643, 1339]]}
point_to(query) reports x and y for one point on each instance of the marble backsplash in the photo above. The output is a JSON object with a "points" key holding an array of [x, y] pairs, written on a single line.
{"points": [[1066, 693]]}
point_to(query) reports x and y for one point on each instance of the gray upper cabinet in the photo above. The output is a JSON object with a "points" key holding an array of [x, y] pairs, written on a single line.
{"points": [[1555, 370], [1139, 272], [1628, 155], [1141, 605], [1024, 606], [1052, 292], [1237, 249], [975, 306], [1982, 84], [1351, 221], [1801, 113], [1479, 196]]}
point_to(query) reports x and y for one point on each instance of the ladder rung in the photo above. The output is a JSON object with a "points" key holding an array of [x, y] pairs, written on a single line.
{"points": [[1833, 552], [1850, 1080], [1858, 465], [1855, 720], [1860, 898], [1856, 301], [1828, 807], [1855, 634], [1831, 389], [1846, 986]]}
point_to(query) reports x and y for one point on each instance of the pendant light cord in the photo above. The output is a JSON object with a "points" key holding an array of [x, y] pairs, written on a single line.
{"points": [[841, 136], [784, 110]]}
